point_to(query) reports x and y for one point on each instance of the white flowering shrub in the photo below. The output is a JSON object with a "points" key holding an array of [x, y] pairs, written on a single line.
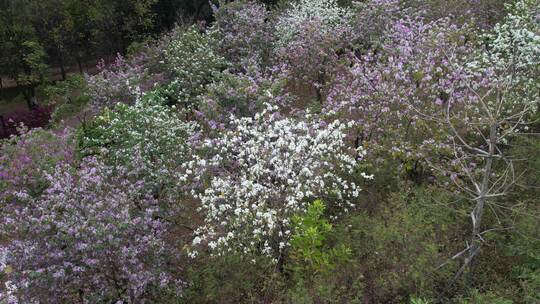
{"points": [[517, 39], [326, 12], [193, 60], [511, 59], [147, 136], [266, 169]]}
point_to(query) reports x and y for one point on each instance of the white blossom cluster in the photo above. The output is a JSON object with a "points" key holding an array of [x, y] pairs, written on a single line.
{"points": [[517, 39], [270, 168], [147, 136], [513, 56], [192, 59], [326, 12]]}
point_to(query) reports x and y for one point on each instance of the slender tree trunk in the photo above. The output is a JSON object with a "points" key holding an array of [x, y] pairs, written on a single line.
{"points": [[198, 11], [321, 80], [4, 131], [62, 67], [33, 98], [79, 64], [123, 45], [478, 211], [319, 95], [30, 97]]}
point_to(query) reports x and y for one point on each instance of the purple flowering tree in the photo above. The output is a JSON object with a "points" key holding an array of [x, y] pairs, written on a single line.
{"points": [[27, 158], [386, 84], [245, 33], [93, 236], [309, 61], [124, 80]]}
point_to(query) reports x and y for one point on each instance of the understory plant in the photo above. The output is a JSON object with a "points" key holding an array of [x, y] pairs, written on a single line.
{"points": [[310, 255]]}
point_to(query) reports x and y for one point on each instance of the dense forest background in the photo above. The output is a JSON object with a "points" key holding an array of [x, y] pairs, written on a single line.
{"points": [[280, 151], [44, 40], [39, 35]]}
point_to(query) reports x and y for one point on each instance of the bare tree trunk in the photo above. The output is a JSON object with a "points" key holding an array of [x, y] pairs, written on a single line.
{"points": [[33, 97], [198, 11], [79, 64], [3, 125], [62, 67], [30, 96], [478, 211]]}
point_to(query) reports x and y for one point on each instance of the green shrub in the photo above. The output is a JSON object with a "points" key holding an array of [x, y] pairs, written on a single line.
{"points": [[397, 247], [415, 300], [233, 279], [484, 298], [525, 247], [69, 97], [310, 254]]}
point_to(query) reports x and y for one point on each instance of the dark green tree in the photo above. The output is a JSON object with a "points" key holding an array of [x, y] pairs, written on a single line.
{"points": [[22, 57]]}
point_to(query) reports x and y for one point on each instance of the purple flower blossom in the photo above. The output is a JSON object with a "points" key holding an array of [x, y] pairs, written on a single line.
{"points": [[93, 235]]}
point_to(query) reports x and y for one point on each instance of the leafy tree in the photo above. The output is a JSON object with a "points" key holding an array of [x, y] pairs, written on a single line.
{"points": [[124, 21], [22, 57]]}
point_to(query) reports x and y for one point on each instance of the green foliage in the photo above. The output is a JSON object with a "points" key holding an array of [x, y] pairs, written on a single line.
{"points": [[65, 91], [527, 149], [525, 246], [233, 279], [415, 300], [133, 19], [33, 64], [477, 297], [22, 56], [310, 254], [312, 259], [69, 97], [397, 246], [62, 33], [136, 48]]}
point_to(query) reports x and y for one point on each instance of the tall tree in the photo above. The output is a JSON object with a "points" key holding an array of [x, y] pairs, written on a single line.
{"points": [[22, 57]]}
